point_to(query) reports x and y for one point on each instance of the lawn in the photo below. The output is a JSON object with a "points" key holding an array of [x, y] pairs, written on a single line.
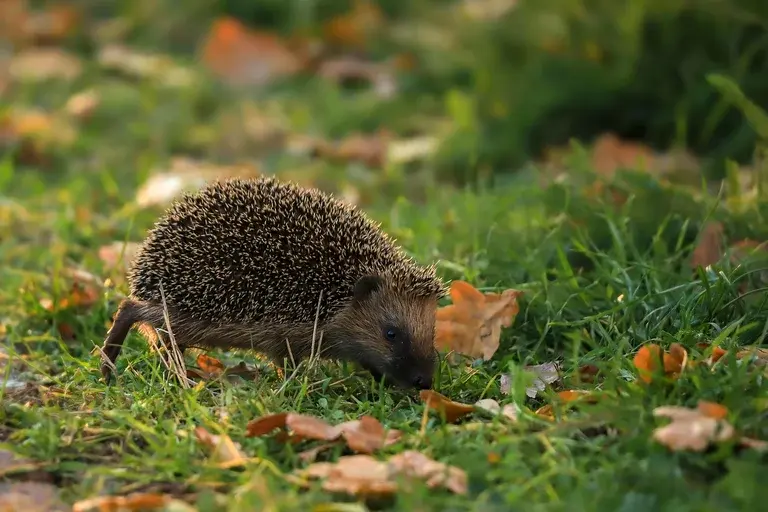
{"points": [[603, 273]]}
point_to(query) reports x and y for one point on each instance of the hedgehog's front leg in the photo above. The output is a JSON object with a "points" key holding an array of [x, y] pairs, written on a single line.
{"points": [[128, 314]]}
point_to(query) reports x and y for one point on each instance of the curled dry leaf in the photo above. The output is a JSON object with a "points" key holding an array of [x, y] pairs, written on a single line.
{"points": [[444, 405], [693, 429], [132, 502], [243, 57], [364, 435], [651, 358], [210, 365], [224, 451], [362, 475], [472, 324]]}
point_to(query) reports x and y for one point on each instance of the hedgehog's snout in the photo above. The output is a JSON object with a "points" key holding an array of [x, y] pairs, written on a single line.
{"points": [[421, 380]]}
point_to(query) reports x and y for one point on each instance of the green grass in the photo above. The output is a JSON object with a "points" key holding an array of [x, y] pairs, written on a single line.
{"points": [[137, 434]]}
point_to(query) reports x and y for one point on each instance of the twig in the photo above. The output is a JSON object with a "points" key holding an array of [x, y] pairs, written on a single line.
{"points": [[176, 363]]}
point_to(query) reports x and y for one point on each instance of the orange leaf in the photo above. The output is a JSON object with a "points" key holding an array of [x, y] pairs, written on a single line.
{"points": [[265, 424], [132, 502], [472, 324], [244, 57], [609, 154], [650, 358], [210, 365], [355, 27], [570, 395], [452, 410], [712, 410]]}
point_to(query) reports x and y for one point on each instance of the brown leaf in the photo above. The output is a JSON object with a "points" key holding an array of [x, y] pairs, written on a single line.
{"points": [[444, 405], [370, 150], [709, 250], [609, 153], [265, 424], [364, 435], [416, 464], [243, 57], [243, 371], [133, 502], [23, 26], [472, 324], [225, 451], [362, 475], [30, 497], [367, 435], [692, 429]]}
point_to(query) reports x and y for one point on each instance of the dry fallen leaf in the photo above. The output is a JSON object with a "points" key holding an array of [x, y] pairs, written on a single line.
{"points": [[362, 475], [364, 435], [571, 395], [693, 429], [132, 502], [210, 365], [35, 133], [472, 324], [709, 250], [356, 27], [444, 405], [40, 64], [243, 57], [225, 452], [30, 497], [186, 175], [650, 358]]}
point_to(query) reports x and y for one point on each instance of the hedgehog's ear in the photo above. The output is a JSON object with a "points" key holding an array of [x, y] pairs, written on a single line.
{"points": [[365, 286]]}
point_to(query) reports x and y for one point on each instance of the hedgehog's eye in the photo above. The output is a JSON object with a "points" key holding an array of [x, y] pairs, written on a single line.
{"points": [[391, 334]]}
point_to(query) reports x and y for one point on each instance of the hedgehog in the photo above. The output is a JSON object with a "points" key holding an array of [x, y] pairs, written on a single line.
{"points": [[286, 271]]}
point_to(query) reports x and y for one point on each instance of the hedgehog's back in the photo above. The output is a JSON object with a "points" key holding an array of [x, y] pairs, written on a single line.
{"points": [[245, 250]]}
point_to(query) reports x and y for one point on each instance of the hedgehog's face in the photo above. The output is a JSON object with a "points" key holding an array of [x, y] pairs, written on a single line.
{"points": [[392, 334]]}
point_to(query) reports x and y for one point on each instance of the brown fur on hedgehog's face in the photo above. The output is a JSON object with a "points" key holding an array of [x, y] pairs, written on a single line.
{"points": [[389, 332]]}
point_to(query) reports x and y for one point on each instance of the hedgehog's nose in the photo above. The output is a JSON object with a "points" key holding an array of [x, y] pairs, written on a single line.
{"points": [[422, 381]]}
